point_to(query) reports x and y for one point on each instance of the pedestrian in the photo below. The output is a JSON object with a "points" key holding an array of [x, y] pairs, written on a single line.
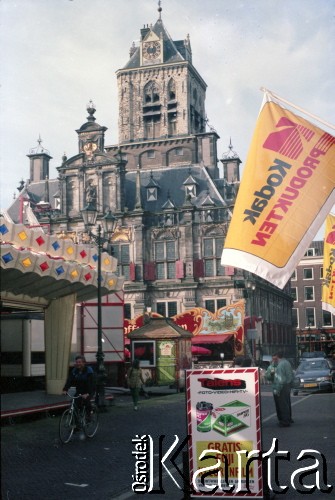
{"points": [[135, 381], [82, 378], [238, 361], [280, 373], [246, 362]]}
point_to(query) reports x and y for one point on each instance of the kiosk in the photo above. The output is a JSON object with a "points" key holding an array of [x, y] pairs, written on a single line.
{"points": [[164, 350]]}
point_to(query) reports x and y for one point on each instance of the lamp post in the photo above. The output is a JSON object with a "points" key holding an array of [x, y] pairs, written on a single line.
{"points": [[251, 287], [90, 214], [309, 337], [222, 358]]}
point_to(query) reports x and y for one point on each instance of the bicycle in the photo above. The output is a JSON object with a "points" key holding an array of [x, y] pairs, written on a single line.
{"points": [[75, 417]]}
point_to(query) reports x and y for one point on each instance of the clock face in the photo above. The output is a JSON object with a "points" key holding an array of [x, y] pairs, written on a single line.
{"points": [[151, 50]]}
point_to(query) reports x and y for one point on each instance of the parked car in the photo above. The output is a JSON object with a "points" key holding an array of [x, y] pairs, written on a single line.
{"points": [[315, 354], [315, 374]]}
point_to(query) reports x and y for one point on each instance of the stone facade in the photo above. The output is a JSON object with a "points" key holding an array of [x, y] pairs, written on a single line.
{"points": [[163, 183]]}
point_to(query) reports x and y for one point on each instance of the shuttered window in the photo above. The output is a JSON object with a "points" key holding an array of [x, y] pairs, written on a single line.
{"points": [[165, 257], [212, 251]]}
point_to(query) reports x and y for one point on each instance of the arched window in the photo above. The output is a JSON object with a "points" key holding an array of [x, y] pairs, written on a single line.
{"points": [[152, 110], [151, 93], [172, 107], [171, 90]]}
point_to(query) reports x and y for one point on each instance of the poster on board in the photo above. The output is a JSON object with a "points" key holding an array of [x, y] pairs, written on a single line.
{"points": [[224, 422]]}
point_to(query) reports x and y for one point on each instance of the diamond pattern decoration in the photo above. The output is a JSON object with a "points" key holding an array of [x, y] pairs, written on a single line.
{"points": [[44, 266], [59, 270], [31, 250], [40, 241], [3, 229], [55, 245], [22, 235], [7, 258]]}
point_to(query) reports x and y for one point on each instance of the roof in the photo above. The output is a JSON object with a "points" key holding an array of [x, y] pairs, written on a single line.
{"points": [[45, 268], [34, 192], [39, 150], [318, 245], [171, 181], [159, 328], [171, 53], [230, 154]]}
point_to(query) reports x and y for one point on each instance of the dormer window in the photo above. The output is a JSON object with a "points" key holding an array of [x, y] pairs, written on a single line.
{"points": [[152, 194], [152, 187], [208, 216], [169, 219], [310, 252], [57, 202], [190, 191], [190, 186]]}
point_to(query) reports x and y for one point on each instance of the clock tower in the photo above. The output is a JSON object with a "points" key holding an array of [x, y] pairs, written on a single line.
{"points": [[161, 94], [151, 50]]}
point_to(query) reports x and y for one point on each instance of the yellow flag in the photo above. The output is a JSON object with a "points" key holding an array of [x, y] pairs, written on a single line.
{"points": [[328, 285], [287, 190]]}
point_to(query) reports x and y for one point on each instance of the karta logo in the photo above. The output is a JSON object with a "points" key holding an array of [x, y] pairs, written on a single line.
{"points": [[287, 141], [219, 384]]}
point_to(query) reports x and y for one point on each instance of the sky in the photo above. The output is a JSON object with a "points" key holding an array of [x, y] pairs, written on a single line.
{"points": [[56, 55]]}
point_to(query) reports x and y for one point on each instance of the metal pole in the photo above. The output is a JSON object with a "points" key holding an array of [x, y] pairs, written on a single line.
{"points": [[101, 372]]}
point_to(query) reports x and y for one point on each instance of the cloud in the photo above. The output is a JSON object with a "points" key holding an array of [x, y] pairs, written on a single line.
{"points": [[57, 55]]}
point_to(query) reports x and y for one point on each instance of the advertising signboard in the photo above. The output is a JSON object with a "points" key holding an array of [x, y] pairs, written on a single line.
{"points": [[227, 323], [223, 417]]}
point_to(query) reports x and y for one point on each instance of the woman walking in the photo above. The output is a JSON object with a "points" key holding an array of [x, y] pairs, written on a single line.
{"points": [[135, 381]]}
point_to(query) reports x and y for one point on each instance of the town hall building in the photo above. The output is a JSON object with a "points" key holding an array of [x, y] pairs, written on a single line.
{"points": [[172, 197]]}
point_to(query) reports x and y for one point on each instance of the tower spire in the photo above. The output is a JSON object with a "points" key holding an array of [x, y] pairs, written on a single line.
{"points": [[160, 9]]}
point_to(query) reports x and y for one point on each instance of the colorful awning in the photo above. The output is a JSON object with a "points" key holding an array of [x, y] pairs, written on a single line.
{"points": [[211, 339], [38, 265]]}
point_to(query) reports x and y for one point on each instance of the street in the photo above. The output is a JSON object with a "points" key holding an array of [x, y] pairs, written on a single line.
{"points": [[36, 466]]}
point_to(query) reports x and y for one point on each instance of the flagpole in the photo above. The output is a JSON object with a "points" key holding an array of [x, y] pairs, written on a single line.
{"points": [[276, 96]]}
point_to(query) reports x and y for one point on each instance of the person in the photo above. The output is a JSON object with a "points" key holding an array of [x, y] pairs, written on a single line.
{"points": [[280, 373], [82, 378], [241, 361], [238, 361], [135, 381]]}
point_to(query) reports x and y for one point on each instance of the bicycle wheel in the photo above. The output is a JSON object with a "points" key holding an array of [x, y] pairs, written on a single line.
{"points": [[66, 426], [91, 422]]}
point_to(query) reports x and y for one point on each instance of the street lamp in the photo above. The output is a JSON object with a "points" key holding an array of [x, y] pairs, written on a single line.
{"points": [[222, 358], [251, 286], [309, 337], [109, 222]]}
